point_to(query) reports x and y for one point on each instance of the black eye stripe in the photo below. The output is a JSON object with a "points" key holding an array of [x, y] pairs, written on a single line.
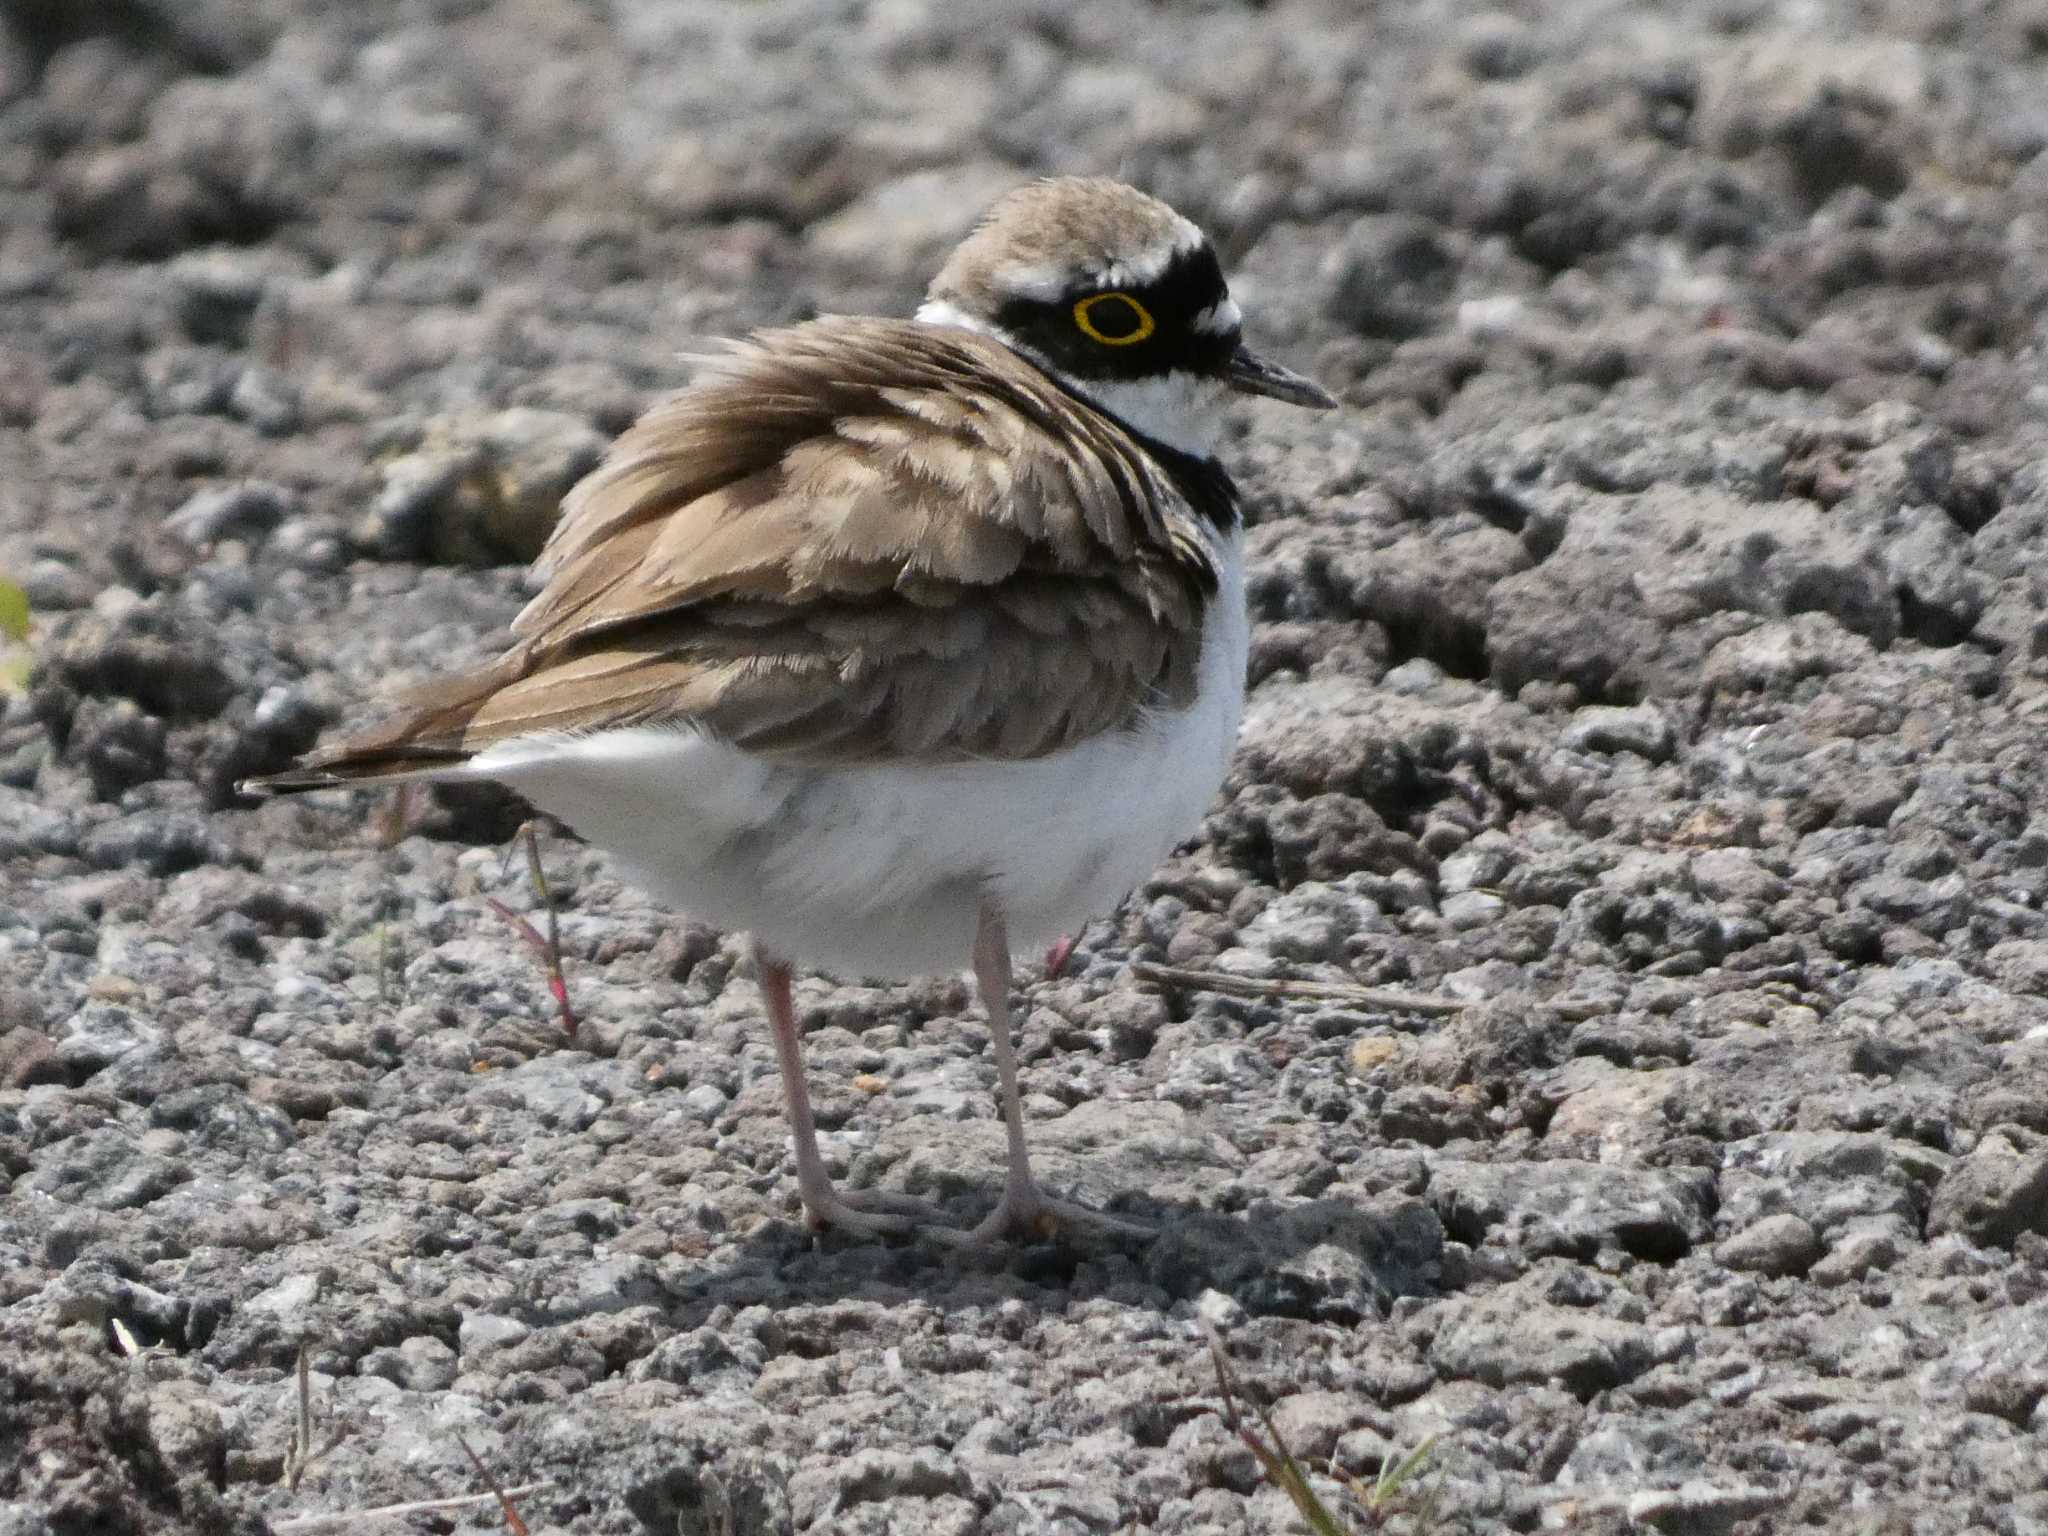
{"points": [[1191, 285]]}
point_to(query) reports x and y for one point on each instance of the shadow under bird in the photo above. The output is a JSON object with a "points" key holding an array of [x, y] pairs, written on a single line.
{"points": [[896, 642]]}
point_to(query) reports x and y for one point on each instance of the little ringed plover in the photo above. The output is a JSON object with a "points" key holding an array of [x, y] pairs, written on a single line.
{"points": [[896, 642]]}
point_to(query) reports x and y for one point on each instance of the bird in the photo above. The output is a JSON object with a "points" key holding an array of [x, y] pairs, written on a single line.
{"points": [[896, 642]]}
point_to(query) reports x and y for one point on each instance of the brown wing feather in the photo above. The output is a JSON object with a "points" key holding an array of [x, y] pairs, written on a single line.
{"points": [[853, 540]]}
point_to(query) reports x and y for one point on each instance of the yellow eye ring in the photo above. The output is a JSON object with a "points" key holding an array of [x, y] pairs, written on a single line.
{"points": [[1124, 310]]}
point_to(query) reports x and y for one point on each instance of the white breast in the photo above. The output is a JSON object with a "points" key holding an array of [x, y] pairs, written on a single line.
{"points": [[879, 870]]}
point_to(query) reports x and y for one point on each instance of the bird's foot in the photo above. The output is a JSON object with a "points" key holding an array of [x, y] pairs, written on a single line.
{"points": [[1027, 1211], [868, 1212]]}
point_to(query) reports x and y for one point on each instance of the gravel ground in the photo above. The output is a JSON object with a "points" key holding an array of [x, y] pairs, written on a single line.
{"points": [[1653, 656]]}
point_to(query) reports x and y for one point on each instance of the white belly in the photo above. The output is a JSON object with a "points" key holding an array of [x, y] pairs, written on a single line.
{"points": [[880, 870]]}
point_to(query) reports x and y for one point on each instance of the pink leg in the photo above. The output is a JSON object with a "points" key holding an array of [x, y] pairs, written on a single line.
{"points": [[823, 1205], [1024, 1208]]}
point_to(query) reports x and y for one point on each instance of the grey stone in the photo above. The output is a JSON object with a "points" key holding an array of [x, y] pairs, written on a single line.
{"points": [[265, 400], [1778, 655], [1992, 1196], [1831, 1179], [421, 1364], [480, 489], [1321, 1259], [1389, 276], [1641, 729], [1702, 1509], [483, 1331], [250, 508], [1567, 1207], [1864, 1247], [705, 1102], [1311, 1423], [1733, 874], [1776, 1245], [1996, 1367], [105, 1170], [1471, 909], [1505, 1338], [872, 1476]]}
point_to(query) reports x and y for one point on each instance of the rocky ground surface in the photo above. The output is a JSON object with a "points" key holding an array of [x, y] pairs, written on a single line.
{"points": [[1652, 656]]}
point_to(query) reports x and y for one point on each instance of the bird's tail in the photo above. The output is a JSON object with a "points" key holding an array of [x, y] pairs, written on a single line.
{"points": [[425, 741], [347, 769]]}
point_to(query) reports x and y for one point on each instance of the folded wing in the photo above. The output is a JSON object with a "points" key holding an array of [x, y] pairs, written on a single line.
{"points": [[854, 540]]}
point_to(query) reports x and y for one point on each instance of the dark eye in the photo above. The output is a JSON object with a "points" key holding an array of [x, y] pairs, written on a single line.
{"points": [[1114, 319]]}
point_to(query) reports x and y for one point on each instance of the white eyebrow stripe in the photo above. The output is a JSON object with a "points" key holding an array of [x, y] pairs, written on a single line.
{"points": [[1219, 319], [1050, 283], [1043, 283], [1149, 265]]}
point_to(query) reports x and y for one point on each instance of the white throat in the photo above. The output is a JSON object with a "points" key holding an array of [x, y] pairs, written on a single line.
{"points": [[1181, 410]]}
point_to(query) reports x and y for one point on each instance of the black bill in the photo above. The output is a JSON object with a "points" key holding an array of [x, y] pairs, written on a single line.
{"points": [[1251, 374]]}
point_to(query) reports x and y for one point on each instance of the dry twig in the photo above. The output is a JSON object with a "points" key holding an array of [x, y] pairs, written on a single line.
{"points": [[300, 1456], [513, 1523], [348, 1519], [1301, 991]]}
